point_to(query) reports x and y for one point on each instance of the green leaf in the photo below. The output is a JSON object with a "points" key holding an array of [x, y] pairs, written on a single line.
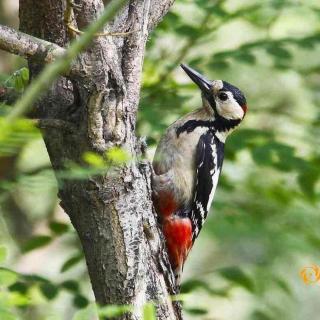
{"points": [[18, 299], [71, 262], [202, 4], [70, 285], [7, 277], [263, 155], [118, 156], [18, 80], [24, 72], [181, 297], [248, 138], [18, 83], [221, 55], [94, 159], [218, 65], [281, 65], [149, 312], [307, 180], [188, 31], [15, 134], [216, 9], [279, 156], [194, 284], [20, 287], [58, 227], [282, 284], [237, 276], [36, 243], [279, 52], [196, 311], [3, 253], [172, 18], [169, 23], [34, 278], [306, 43], [112, 311], [80, 301], [49, 290], [245, 57]]}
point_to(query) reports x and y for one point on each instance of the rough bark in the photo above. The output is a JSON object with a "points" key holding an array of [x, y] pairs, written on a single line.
{"points": [[112, 213], [28, 46]]}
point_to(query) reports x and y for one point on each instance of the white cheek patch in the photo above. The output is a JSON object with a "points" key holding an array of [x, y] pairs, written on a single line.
{"points": [[230, 109]]}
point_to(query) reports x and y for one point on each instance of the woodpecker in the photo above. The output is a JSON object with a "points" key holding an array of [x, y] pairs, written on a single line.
{"points": [[188, 162]]}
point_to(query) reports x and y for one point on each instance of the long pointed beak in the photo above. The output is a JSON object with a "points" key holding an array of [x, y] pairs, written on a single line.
{"points": [[204, 84]]}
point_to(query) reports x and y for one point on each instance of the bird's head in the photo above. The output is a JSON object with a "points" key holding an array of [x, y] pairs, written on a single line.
{"points": [[227, 103]]}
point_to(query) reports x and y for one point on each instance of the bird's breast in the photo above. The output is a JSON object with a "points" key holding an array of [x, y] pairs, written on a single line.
{"points": [[184, 161]]}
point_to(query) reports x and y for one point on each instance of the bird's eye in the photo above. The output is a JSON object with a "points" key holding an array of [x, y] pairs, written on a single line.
{"points": [[223, 96]]}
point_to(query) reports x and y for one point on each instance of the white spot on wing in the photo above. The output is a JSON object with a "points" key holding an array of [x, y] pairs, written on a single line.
{"points": [[214, 172], [201, 210], [214, 158], [215, 179], [196, 230]]}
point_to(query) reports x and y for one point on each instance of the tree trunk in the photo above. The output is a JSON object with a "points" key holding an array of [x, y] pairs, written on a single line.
{"points": [[112, 213]]}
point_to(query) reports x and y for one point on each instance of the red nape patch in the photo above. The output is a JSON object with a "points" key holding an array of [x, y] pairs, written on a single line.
{"points": [[178, 234], [165, 204], [244, 108]]}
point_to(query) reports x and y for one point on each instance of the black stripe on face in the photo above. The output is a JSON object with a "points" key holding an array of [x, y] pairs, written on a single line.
{"points": [[237, 94]]}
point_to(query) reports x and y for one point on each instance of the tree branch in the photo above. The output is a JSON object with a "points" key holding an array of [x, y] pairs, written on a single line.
{"points": [[159, 10], [28, 46], [134, 45]]}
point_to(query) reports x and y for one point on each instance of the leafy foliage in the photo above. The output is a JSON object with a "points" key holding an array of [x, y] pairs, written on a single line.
{"points": [[71, 262], [36, 242], [18, 80]]}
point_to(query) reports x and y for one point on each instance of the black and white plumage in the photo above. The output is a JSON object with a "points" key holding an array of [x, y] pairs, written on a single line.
{"points": [[188, 163], [209, 158]]}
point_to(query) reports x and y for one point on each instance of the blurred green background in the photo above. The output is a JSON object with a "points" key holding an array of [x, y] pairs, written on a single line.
{"points": [[264, 225]]}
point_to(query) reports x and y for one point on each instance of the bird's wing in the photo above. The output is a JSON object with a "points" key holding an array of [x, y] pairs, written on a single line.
{"points": [[207, 176]]}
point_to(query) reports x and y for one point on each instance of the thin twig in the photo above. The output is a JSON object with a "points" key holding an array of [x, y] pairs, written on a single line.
{"points": [[102, 34]]}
